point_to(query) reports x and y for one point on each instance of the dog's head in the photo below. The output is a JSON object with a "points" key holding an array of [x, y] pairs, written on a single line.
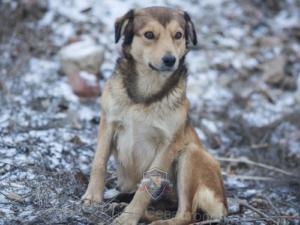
{"points": [[156, 37]]}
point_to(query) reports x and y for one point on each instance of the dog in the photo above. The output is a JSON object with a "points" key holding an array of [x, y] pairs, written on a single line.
{"points": [[144, 122]]}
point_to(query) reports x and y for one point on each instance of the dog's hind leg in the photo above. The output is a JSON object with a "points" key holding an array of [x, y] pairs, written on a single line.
{"points": [[199, 186], [208, 188], [209, 193]]}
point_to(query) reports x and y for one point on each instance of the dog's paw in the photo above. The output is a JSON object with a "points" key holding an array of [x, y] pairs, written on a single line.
{"points": [[126, 219], [91, 197]]}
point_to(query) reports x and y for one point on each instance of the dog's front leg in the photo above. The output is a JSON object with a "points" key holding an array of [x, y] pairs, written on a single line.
{"points": [[94, 192], [136, 208]]}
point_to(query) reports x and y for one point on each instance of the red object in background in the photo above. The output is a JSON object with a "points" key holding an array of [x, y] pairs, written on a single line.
{"points": [[82, 86]]}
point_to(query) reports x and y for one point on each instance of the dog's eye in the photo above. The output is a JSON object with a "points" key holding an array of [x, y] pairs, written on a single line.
{"points": [[178, 35], [149, 35]]}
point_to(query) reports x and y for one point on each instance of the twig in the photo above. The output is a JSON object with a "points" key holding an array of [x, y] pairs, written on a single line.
{"points": [[111, 178], [206, 222], [250, 162], [242, 177], [271, 204], [260, 146], [227, 220], [241, 221], [245, 204], [13, 197]]}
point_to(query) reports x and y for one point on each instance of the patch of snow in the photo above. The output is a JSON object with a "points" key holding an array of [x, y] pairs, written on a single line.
{"points": [[226, 42], [69, 9], [47, 19], [259, 115], [236, 32], [286, 20], [65, 90], [251, 63], [80, 50], [233, 182], [89, 77], [209, 125], [86, 113], [111, 193], [201, 134], [249, 193], [65, 31]]}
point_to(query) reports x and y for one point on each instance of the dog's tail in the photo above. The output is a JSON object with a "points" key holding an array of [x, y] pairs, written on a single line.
{"points": [[205, 199]]}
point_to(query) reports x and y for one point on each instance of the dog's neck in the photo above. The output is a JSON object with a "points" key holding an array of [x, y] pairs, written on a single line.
{"points": [[149, 81], [148, 86]]}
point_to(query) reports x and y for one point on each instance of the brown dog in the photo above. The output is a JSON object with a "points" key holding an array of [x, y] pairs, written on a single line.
{"points": [[144, 121]]}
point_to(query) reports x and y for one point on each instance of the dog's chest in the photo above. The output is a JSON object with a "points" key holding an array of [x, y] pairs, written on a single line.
{"points": [[136, 142], [141, 133]]}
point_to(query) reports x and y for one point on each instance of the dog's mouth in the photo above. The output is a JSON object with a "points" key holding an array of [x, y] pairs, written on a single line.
{"points": [[162, 69], [153, 67]]}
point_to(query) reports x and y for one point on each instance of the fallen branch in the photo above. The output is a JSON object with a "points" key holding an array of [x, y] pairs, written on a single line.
{"points": [[243, 203], [242, 177], [260, 146], [250, 162], [272, 205], [13, 197], [227, 220], [206, 222]]}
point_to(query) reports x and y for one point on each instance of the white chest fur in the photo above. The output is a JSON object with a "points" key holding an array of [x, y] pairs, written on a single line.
{"points": [[141, 132]]}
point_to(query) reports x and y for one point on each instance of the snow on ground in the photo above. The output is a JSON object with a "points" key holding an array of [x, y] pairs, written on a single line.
{"points": [[242, 104]]}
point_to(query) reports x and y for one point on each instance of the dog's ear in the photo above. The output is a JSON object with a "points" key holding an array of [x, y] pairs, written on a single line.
{"points": [[124, 26], [190, 31]]}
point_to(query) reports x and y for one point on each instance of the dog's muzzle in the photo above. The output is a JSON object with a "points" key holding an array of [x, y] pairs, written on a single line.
{"points": [[169, 60]]}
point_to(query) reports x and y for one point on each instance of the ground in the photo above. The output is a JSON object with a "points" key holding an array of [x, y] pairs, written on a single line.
{"points": [[244, 88]]}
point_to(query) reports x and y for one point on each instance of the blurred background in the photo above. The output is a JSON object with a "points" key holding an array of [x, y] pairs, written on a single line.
{"points": [[243, 85]]}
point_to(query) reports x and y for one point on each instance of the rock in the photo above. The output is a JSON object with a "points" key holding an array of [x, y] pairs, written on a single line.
{"points": [[275, 74], [84, 84], [82, 55], [14, 197], [269, 41], [274, 70], [81, 62]]}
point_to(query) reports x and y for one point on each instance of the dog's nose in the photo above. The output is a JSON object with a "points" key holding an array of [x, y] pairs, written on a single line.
{"points": [[169, 60]]}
